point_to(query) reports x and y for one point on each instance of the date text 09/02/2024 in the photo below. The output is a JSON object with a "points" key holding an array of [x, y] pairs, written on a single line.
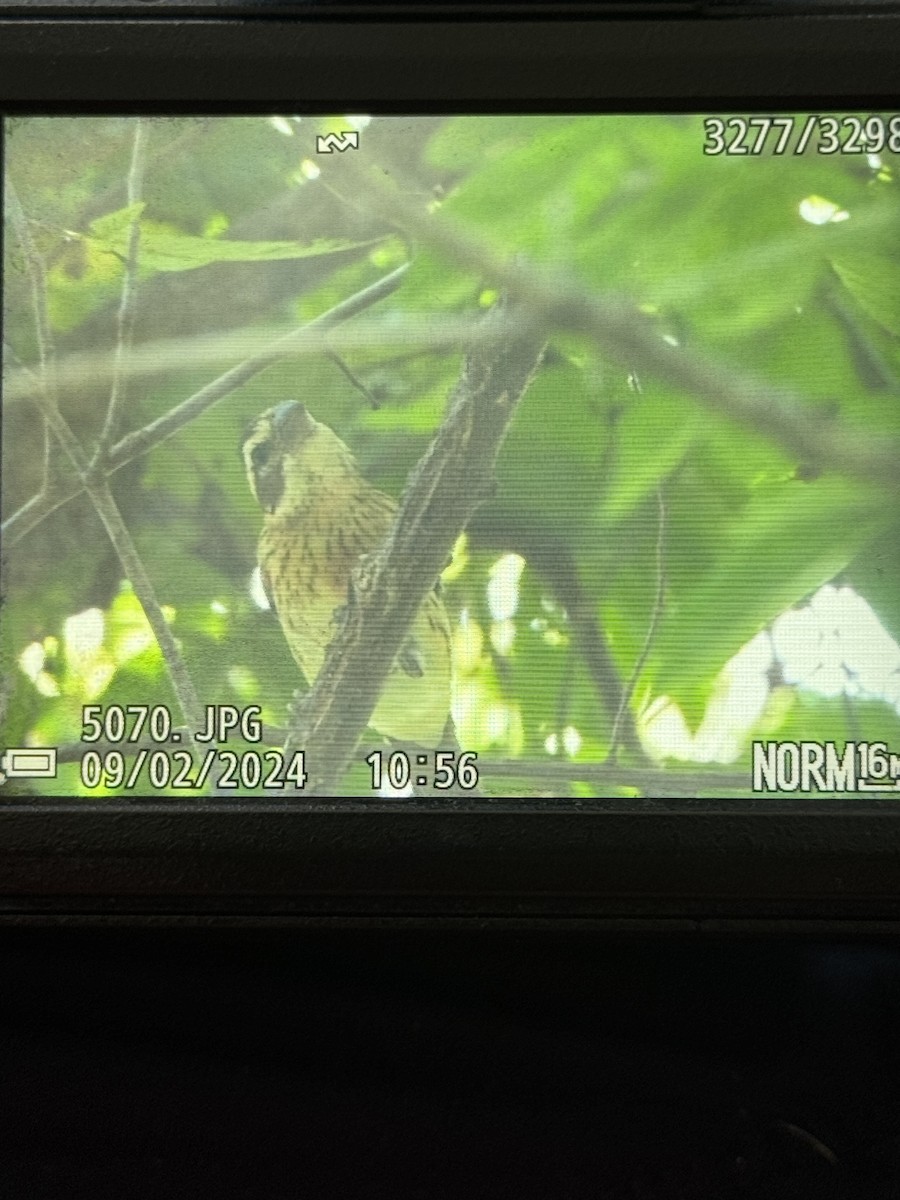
{"points": [[134, 726]]}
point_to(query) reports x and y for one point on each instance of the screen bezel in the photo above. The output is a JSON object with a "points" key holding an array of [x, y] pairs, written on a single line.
{"points": [[678, 860]]}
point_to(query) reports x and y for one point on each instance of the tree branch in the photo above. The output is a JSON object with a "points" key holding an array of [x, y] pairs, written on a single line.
{"points": [[125, 329], [626, 336], [388, 587]]}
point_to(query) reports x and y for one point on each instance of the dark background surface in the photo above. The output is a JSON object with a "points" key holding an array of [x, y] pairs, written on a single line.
{"points": [[555, 1061], [546, 7]]}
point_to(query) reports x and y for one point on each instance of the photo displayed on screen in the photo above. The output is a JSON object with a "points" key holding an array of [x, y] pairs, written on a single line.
{"points": [[448, 457]]}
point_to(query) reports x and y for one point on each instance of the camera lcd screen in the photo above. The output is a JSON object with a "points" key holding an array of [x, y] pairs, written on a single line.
{"points": [[235, 348]]}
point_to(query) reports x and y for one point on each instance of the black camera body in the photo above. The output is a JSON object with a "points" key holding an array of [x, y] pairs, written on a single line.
{"points": [[116, 256]]}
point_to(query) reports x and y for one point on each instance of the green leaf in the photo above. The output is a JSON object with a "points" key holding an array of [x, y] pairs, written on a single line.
{"points": [[872, 279], [652, 436], [552, 462], [786, 541], [875, 574], [164, 249]]}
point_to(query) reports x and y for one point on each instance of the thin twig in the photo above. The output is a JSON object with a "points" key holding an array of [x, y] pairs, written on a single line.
{"points": [[659, 601], [140, 441], [9, 353], [48, 459], [98, 488], [34, 266], [354, 380], [37, 278], [125, 323], [554, 562]]}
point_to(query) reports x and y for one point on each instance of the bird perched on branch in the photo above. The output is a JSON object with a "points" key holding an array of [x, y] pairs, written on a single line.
{"points": [[321, 516]]}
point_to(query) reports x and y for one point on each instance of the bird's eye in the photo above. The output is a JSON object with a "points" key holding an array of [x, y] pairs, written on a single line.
{"points": [[260, 453]]}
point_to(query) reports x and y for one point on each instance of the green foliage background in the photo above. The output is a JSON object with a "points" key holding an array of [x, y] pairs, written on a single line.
{"points": [[237, 233]]}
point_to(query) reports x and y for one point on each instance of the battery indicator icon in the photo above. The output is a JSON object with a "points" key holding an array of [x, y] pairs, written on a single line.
{"points": [[28, 762]]}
